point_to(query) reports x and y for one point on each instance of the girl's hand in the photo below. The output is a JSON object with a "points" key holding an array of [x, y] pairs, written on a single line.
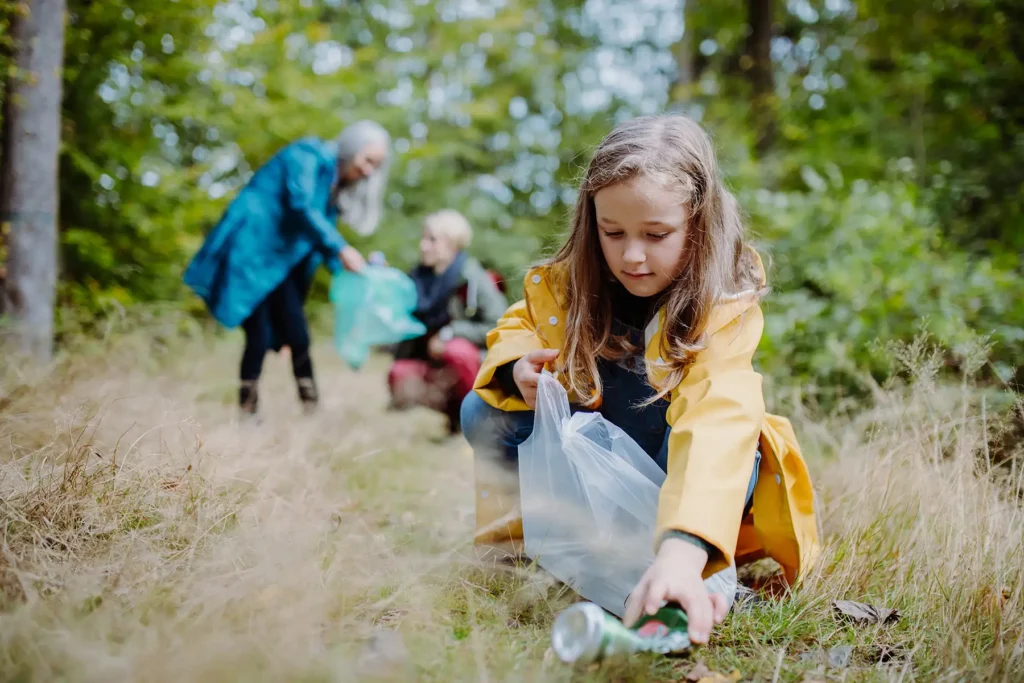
{"points": [[526, 373], [352, 259], [675, 576]]}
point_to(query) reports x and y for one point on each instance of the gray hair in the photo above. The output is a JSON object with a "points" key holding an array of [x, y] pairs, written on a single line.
{"points": [[360, 203]]}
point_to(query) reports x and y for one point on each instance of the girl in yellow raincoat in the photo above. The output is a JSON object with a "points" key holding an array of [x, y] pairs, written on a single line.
{"points": [[650, 315]]}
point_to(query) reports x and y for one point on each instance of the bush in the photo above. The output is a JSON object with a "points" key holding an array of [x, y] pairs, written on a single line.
{"points": [[851, 264]]}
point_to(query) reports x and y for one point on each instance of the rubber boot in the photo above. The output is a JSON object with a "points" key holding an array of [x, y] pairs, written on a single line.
{"points": [[248, 399], [308, 394]]}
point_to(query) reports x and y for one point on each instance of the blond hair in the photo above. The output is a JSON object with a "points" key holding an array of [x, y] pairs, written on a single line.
{"points": [[450, 225], [676, 153]]}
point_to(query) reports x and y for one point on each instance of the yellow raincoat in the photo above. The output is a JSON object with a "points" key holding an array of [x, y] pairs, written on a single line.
{"points": [[717, 417]]}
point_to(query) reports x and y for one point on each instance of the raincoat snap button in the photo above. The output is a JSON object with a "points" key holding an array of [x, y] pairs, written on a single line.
{"points": [[553, 320], [778, 479], [536, 279]]}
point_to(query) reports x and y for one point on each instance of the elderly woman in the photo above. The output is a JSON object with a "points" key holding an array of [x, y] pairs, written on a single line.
{"points": [[256, 265]]}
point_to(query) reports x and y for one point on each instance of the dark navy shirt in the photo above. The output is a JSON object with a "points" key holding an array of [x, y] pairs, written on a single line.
{"points": [[625, 385], [624, 382]]}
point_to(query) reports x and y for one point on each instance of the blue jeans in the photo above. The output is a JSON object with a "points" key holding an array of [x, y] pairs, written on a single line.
{"points": [[497, 435]]}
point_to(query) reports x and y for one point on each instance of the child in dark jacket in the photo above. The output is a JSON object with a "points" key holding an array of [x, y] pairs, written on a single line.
{"points": [[459, 303]]}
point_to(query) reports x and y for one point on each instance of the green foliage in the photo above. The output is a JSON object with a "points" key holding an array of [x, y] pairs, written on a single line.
{"points": [[854, 266], [474, 102], [8, 8], [869, 84], [956, 65], [128, 196], [927, 86]]}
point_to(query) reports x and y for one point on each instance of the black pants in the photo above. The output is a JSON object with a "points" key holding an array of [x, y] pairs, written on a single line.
{"points": [[279, 318]]}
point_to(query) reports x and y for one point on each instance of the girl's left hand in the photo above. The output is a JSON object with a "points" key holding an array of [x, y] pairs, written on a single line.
{"points": [[675, 576]]}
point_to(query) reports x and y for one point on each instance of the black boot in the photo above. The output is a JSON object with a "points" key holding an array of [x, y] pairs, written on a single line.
{"points": [[308, 394], [248, 398]]}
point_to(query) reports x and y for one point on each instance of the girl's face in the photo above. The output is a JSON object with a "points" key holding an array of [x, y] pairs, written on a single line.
{"points": [[435, 250], [366, 161], [642, 227]]}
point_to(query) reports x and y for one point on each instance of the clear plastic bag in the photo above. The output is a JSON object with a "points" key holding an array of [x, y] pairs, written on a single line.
{"points": [[589, 498], [372, 308]]}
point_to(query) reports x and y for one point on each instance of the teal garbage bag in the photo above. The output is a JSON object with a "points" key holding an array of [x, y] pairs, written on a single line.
{"points": [[372, 308]]}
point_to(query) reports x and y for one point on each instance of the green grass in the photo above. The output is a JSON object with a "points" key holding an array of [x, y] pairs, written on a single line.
{"points": [[146, 536]]}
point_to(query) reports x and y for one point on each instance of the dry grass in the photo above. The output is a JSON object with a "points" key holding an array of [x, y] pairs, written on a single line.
{"points": [[147, 537]]}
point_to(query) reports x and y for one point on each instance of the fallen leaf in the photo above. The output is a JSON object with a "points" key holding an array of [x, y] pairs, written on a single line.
{"points": [[839, 657], [865, 614]]}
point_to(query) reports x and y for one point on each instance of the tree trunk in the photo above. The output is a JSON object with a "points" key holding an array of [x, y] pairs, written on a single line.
{"points": [[28, 175], [761, 74], [681, 90]]}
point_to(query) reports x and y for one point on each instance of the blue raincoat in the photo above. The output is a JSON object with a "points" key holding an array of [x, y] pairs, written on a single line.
{"points": [[281, 220]]}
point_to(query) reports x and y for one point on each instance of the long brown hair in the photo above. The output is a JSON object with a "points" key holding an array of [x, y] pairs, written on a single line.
{"points": [[677, 153]]}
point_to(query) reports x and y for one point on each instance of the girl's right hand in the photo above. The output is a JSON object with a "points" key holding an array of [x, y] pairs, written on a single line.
{"points": [[675, 576], [526, 372]]}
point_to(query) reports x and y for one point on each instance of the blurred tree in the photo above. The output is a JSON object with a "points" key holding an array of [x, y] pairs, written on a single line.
{"points": [[758, 63], [28, 174], [684, 52], [930, 86]]}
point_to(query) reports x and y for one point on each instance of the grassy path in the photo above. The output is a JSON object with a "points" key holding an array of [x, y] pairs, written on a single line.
{"points": [[147, 537]]}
